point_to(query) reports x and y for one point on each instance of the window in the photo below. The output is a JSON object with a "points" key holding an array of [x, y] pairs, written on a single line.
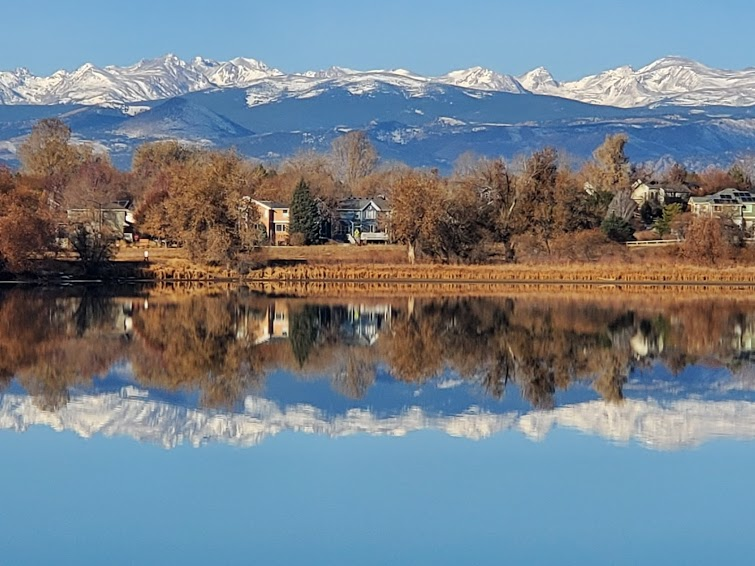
{"points": [[285, 212], [370, 214], [280, 228]]}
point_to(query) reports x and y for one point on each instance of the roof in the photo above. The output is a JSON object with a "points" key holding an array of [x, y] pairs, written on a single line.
{"points": [[726, 196], [355, 203], [677, 189], [271, 204], [117, 205]]}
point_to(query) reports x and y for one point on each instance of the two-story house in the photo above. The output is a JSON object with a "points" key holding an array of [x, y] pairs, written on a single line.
{"points": [[363, 219], [660, 194], [274, 219], [737, 205]]}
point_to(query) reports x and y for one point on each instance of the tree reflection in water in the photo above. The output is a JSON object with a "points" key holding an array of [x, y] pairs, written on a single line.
{"points": [[224, 346]]}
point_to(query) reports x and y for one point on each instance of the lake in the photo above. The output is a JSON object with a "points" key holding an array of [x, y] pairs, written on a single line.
{"points": [[226, 426]]}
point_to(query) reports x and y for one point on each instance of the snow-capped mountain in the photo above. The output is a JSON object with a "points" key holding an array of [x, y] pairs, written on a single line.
{"points": [[669, 426], [236, 73], [668, 81], [482, 79], [539, 81], [671, 80], [147, 80]]}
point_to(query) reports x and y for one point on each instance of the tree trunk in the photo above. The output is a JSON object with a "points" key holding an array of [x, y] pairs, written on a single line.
{"points": [[411, 252]]}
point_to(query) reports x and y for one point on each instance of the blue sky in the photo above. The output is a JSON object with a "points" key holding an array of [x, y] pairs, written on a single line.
{"points": [[426, 498], [571, 38]]}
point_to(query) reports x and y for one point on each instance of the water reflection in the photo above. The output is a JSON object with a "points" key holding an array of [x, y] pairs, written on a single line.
{"points": [[236, 367]]}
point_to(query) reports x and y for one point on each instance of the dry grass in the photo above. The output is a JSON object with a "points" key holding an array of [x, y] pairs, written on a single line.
{"points": [[333, 254], [543, 273], [383, 269]]}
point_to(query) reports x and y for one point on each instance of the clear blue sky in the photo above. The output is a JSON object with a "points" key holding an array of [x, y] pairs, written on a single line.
{"points": [[571, 38]]}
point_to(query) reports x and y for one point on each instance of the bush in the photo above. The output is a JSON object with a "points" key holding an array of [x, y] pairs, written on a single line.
{"points": [[297, 239], [709, 240], [585, 245]]}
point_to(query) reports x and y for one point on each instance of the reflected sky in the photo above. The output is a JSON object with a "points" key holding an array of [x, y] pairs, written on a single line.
{"points": [[423, 499], [246, 429]]}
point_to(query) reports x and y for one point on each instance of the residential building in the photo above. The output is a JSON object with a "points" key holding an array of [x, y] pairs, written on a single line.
{"points": [[274, 220], [660, 194], [367, 218], [735, 204], [115, 217]]}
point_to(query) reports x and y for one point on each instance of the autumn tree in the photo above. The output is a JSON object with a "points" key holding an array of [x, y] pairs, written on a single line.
{"points": [[26, 222], [417, 213], [152, 167], [354, 157], [536, 208], [677, 174], [304, 215], [714, 179], [709, 240], [48, 153], [610, 169], [491, 191], [203, 204]]}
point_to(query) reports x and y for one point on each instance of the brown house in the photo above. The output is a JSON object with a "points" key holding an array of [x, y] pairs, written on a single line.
{"points": [[274, 218]]}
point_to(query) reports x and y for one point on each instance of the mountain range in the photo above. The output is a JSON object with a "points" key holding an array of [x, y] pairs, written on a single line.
{"points": [[673, 109], [132, 413], [671, 80]]}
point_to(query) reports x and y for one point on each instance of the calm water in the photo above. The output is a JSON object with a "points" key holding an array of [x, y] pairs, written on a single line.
{"points": [[236, 428]]}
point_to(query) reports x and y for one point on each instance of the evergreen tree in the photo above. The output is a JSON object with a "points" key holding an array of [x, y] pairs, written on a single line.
{"points": [[305, 218], [662, 225], [617, 229]]}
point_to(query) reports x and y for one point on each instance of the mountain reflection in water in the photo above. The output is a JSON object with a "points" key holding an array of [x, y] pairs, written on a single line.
{"points": [[236, 367]]}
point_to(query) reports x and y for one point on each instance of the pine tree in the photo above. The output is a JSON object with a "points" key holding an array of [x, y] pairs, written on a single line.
{"points": [[305, 219]]}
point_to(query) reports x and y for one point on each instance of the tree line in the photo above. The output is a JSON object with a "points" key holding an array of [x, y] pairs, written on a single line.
{"points": [[535, 207], [213, 344]]}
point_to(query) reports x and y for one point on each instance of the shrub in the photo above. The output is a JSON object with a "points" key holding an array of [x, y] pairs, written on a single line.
{"points": [[297, 239]]}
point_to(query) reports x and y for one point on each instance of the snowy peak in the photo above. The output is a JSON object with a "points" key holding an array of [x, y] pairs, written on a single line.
{"points": [[670, 80], [482, 79], [538, 80], [240, 72]]}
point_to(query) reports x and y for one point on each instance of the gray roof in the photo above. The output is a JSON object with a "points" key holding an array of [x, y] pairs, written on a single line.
{"points": [[726, 196], [355, 203]]}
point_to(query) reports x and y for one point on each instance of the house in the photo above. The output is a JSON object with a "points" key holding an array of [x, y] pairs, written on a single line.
{"points": [[660, 194], [369, 218], [115, 217], [274, 220], [735, 204]]}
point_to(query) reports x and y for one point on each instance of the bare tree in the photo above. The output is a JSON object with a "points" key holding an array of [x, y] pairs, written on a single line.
{"points": [[622, 206], [354, 157]]}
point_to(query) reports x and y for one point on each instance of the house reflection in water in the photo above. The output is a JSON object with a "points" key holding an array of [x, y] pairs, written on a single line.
{"points": [[274, 323], [365, 322], [359, 324], [743, 340]]}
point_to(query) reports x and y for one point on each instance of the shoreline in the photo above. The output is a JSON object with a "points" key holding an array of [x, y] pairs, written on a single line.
{"points": [[426, 279]]}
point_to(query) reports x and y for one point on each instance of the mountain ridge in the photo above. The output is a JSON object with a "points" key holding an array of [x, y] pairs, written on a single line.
{"points": [[670, 80]]}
